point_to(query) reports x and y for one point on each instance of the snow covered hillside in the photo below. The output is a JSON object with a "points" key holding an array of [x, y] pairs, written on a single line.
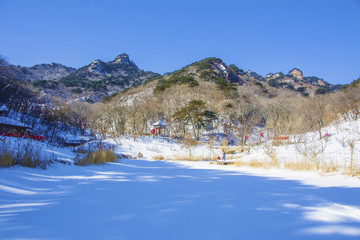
{"points": [[338, 152]]}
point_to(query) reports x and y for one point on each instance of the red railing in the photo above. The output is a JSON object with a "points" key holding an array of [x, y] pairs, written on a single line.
{"points": [[18, 135]]}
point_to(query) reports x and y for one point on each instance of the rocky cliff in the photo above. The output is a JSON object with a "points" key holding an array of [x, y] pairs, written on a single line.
{"points": [[109, 76]]}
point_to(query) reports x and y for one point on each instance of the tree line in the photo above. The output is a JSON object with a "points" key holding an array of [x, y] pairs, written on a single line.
{"points": [[192, 112]]}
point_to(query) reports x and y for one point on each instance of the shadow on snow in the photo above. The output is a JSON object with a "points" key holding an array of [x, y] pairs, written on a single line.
{"points": [[138, 199]]}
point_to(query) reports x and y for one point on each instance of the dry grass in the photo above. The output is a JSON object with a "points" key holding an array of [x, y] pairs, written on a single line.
{"points": [[98, 157], [24, 155], [307, 165], [232, 149], [32, 158], [328, 167], [302, 165], [7, 160], [224, 142], [158, 157], [33, 161], [192, 158], [254, 163], [354, 172]]}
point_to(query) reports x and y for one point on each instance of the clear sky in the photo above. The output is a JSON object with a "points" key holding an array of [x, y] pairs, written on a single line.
{"points": [[321, 37]]}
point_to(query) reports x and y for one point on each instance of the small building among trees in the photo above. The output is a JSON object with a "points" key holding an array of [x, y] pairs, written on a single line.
{"points": [[158, 126], [8, 125]]}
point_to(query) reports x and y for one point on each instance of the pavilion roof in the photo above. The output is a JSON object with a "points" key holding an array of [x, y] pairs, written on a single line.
{"points": [[160, 123]]}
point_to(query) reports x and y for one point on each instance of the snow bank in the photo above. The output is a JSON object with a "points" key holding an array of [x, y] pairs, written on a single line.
{"points": [[310, 178]]}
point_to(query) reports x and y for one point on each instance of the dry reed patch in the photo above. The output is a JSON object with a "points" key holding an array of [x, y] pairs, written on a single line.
{"points": [[7, 160], [30, 156], [193, 158], [328, 167], [254, 163], [299, 165], [158, 157], [33, 161], [232, 149], [26, 155], [98, 157], [308, 165], [354, 172]]}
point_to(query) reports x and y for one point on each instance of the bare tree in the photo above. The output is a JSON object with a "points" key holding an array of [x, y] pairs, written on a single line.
{"points": [[78, 112], [317, 112], [248, 116], [189, 143], [348, 103], [278, 118], [309, 149]]}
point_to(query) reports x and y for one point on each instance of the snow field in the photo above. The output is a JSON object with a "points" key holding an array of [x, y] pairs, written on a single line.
{"points": [[143, 198], [137, 199]]}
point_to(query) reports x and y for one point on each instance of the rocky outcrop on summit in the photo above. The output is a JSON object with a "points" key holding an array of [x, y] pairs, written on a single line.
{"points": [[108, 76], [295, 80], [297, 73], [274, 75], [123, 59], [100, 67]]}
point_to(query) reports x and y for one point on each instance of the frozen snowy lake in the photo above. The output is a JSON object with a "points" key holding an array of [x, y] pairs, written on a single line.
{"points": [[137, 199]]}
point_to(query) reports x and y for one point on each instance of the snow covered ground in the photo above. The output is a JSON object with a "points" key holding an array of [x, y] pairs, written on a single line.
{"points": [[340, 143], [333, 154], [142, 199], [137, 199]]}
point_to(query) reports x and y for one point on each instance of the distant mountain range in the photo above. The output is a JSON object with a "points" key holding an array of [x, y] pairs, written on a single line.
{"points": [[102, 76], [52, 71], [92, 82], [230, 77], [99, 79]]}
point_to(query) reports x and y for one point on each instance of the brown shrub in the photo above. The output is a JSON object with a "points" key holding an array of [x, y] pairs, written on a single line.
{"points": [[7, 160], [24, 155], [98, 157], [158, 157], [192, 158]]}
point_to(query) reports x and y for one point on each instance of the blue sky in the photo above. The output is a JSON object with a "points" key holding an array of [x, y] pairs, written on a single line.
{"points": [[321, 37]]}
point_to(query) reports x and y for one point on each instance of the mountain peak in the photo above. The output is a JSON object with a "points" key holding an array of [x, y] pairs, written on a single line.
{"points": [[123, 58], [296, 73]]}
